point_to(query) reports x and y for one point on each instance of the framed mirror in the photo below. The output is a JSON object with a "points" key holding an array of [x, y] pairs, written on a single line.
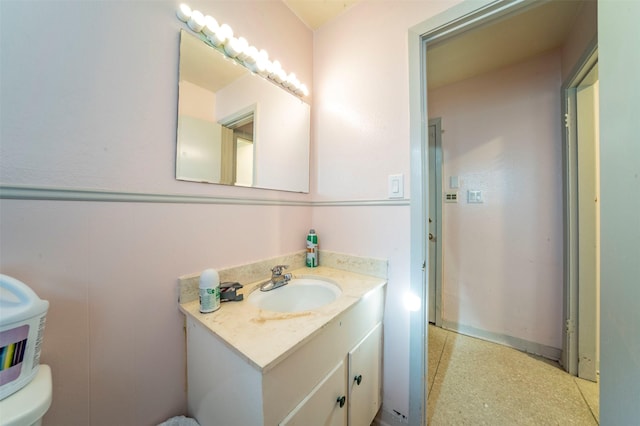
{"points": [[235, 127]]}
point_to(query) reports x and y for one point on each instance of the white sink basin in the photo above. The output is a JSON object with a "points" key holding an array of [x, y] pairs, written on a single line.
{"points": [[301, 294]]}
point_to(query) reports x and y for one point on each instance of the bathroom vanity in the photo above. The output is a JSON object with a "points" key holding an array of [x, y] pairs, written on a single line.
{"points": [[249, 366]]}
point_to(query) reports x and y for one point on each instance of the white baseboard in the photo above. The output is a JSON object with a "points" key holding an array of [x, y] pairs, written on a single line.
{"points": [[545, 351]]}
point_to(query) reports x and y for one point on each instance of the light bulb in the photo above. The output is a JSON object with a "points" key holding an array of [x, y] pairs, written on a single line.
{"points": [[263, 55], [252, 55], [210, 25], [217, 38], [196, 21], [292, 81], [242, 45], [263, 62], [183, 12], [261, 67], [231, 47], [275, 67], [281, 76], [303, 90], [268, 68], [226, 31]]}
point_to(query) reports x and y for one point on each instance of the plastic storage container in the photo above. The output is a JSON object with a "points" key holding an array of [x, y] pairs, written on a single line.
{"points": [[22, 318]]}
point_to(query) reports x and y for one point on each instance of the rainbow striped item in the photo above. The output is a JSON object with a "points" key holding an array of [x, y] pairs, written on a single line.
{"points": [[13, 347]]}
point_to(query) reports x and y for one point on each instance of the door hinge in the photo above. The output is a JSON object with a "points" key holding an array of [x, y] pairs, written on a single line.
{"points": [[569, 326], [567, 115], [424, 265]]}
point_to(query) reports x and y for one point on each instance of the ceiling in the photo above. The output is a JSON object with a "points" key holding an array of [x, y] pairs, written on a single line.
{"points": [[479, 50], [316, 13], [505, 42]]}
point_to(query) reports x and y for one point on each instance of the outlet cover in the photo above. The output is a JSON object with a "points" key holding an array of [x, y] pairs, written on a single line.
{"points": [[451, 197]]}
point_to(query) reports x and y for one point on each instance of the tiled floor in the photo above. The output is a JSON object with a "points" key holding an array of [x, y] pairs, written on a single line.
{"points": [[474, 382]]}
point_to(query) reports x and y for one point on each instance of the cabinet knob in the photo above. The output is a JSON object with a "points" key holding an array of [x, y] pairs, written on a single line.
{"points": [[341, 400], [358, 379]]}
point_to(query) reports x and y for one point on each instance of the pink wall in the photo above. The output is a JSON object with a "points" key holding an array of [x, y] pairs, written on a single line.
{"points": [[89, 100], [503, 258], [360, 124], [94, 87], [114, 336]]}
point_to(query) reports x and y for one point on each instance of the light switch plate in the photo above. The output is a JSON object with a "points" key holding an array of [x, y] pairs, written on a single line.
{"points": [[396, 186], [474, 197]]}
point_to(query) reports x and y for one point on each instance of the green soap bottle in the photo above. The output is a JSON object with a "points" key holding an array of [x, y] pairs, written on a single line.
{"points": [[312, 249]]}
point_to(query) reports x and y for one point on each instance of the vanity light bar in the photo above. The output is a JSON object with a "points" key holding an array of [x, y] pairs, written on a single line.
{"points": [[220, 36]]}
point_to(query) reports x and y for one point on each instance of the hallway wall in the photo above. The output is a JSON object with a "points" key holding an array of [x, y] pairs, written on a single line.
{"points": [[502, 258]]}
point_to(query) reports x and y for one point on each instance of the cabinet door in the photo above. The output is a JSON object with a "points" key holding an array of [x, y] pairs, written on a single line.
{"points": [[365, 365], [323, 405]]}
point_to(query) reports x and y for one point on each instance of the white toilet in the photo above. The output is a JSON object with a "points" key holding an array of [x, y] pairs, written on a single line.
{"points": [[27, 406]]}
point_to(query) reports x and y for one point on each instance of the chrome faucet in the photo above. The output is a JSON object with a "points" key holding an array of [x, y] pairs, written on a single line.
{"points": [[278, 279]]}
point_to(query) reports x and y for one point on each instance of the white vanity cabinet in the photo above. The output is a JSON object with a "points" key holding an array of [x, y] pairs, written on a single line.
{"points": [[365, 372], [325, 405], [354, 397], [304, 385]]}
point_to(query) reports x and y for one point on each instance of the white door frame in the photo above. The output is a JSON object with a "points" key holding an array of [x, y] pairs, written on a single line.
{"points": [[570, 195], [452, 21]]}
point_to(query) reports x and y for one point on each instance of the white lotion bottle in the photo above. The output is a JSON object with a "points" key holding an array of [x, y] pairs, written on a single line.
{"points": [[209, 291]]}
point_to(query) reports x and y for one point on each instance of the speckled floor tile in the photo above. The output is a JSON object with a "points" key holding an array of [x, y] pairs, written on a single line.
{"points": [[482, 383]]}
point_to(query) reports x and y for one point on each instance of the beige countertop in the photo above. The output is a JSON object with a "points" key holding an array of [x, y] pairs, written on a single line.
{"points": [[265, 338]]}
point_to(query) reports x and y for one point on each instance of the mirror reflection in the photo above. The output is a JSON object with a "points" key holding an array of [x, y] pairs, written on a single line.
{"points": [[235, 127]]}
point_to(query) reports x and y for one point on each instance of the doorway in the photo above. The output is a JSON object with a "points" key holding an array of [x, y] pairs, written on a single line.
{"points": [[435, 220], [457, 20], [582, 220]]}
